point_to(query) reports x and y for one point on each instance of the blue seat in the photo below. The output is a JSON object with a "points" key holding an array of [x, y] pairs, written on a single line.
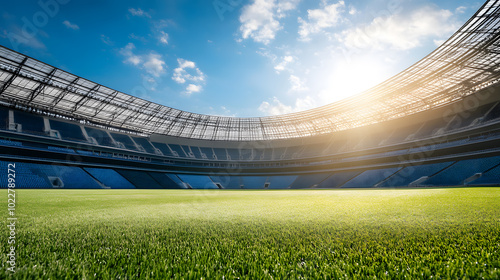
{"points": [[370, 178], [491, 177], [178, 149], [68, 131], [337, 179], [125, 140], [308, 181], [163, 148], [198, 181], [31, 123], [110, 178], [457, 173], [100, 136], [412, 173], [144, 142]]}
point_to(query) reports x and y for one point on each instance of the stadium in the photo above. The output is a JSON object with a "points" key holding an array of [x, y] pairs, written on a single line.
{"points": [[434, 125]]}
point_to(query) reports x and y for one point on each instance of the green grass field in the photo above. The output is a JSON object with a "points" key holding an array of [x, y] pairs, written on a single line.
{"points": [[304, 234]]}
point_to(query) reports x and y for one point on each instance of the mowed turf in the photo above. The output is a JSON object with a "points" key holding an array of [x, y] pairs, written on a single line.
{"points": [[222, 234]]}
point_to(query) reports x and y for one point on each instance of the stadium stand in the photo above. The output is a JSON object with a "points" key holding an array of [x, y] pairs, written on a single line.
{"points": [[28, 175], [280, 182], [337, 179], [125, 140], [370, 178], [145, 144], [198, 181], [187, 151], [68, 131], [109, 178], [166, 181], [30, 123], [208, 152], [140, 179], [220, 153], [233, 154], [253, 182], [101, 137], [4, 118], [174, 178], [493, 114], [410, 174], [458, 172], [163, 148], [308, 181], [177, 150], [228, 182], [196, 152], [490, 177]]}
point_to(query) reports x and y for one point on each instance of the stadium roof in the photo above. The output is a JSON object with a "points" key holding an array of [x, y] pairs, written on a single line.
{"points": [[464, 64]]}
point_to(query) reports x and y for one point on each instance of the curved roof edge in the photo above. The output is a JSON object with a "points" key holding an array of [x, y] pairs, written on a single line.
{"points": [[465, 63]]}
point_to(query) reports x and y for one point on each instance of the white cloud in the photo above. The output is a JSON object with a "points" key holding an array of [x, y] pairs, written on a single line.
{"points": [[192, 88], [163, 37], [284, 6], [18, 37], [352, 11], [187, 71], [460, 10], [320, 19], [276, 107], [181, 73], [152, 63], [129, 55], [70, 25], [297, 84], [139, 12], [259, 20], [400, 31], [282, 65]]}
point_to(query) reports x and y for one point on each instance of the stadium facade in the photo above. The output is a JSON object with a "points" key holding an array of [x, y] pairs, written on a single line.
{"points": [[437, 123]]}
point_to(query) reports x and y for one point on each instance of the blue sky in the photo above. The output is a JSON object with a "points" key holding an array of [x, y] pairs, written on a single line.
{"points": [[233, 57]]}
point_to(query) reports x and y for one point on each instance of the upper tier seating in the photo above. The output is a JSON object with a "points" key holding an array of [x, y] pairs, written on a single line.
{"points": [[125, 140], [220, 153], [163, 148], [177, 150], [68, 131], [31, 123], [145, 144], [493, 114], [101, 136]]}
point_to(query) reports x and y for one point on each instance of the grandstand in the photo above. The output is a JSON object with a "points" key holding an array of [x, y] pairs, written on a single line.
{"points": [[437, 123]]}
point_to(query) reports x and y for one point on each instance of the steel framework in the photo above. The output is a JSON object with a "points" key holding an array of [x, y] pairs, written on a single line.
{"points": [[464, 64]]}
